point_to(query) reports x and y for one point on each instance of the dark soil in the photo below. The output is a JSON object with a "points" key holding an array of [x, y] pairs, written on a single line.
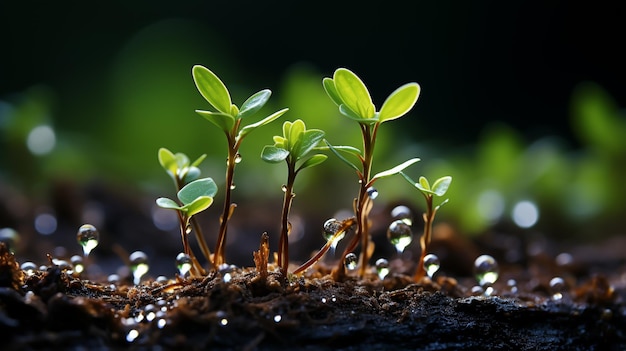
{"points": [[244, 310]]}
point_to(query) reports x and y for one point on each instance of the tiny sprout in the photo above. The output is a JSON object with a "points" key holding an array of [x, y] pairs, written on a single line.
{"points": [[439, 189], [293, 147], [228, 117], [352, 97]]}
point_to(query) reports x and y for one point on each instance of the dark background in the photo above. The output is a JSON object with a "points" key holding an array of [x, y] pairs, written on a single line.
{"points": [[516, 61]]}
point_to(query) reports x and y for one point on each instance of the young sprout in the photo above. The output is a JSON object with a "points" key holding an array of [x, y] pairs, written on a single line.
{"points": [[348, 92], [194, 197], [228, 118], [439, 189], [294, 147], [182, 171]]}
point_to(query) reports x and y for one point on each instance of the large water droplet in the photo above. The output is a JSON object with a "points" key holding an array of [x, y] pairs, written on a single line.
{"points": [[351, 261], [399, 234], [238, 158], [431, 264], [486, 270], [557, 288], [372, 192], [78, 263], [183, 263], [87, 237], [402, 213], [382, 268], [138, 265], [331, 227]]}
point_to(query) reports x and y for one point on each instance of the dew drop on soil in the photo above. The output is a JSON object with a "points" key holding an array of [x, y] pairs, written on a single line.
{"points": [[29, 267], [431, 264], [382, 268], [78, 263], [557, 288], [399, 235], [402, 213], [372, 192], [132, 335], [87, 237], [138, 265], [486, 270], [183, 263], [278, 318], [351, 261]]}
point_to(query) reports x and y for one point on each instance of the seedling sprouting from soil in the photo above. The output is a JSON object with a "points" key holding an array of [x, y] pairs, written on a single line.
{"points": [[439, 189], [348, 92], [194, 197], [294, 147], [228, 118]]}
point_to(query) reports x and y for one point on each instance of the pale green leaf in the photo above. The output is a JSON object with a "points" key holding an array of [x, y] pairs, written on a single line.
{"points": [[223, 121], [335, 150], [192, 174], [354, 93], [399, 102], [164, 202], [313, 161], [197, 188], [295, 136], [198, 161], [249, 128], [423, 184], [441, 185], [212, 88], [182, 161], [167, 160], [395, 170], [273, 154], [331, 90], [254, 103], [199, 204]]}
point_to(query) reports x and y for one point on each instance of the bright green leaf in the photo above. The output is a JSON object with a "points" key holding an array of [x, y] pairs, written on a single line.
{"points": [[182, 161], [212, 88], [395, 170], [308, 141], [198, 161], [199, 204], [254, 103], [223, 121], [331, 90], [164, 202], [423, 184], [313, 161], [441, 185], [197, 188], [354, 93], [249, 128], [295, 136], [346, 111], [167, 160], [399, 102], [274, 154]]}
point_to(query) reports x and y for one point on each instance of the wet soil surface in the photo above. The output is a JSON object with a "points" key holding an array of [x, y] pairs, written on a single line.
{"points": [[241, 309]]}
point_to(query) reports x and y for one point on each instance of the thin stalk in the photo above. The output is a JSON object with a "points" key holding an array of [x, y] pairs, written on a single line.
{"points": [[429, 217], [196, 268], [283, 244], [197, 230], [345, 225]]}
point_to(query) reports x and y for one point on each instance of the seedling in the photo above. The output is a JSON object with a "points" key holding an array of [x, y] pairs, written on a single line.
{"points": [[348, 92], [439, 189], [294, 147], [194, 197], [228, 118]]}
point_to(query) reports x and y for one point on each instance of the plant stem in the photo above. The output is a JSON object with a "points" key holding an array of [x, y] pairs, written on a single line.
{"points": [[344, 227], [283, 244], [429, 217], [197, 230]]}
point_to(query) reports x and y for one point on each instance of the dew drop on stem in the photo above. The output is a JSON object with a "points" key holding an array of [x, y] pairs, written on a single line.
{"points": [[238, 158], [87, 237], [399, 235], [372, 192]]}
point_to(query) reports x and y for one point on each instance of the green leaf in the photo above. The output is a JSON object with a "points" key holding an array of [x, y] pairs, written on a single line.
{"points": [[295, 136], [182, 161], [399, 102], [308, 141], [192, 174], [254, 103], [335, 150], [354, 93], [223, 121], [441, 185], [199, 204], [164, 202], [408, 179], [212, 88], [331, 90], [395, 170], [249, 128], [346, 111], [167, 160], [198, 161], [197, 188], [423, 184], [313, 161], [274, 154]]}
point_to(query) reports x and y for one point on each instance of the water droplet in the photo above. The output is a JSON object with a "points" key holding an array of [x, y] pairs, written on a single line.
{"points": [[62, 264], [402, 213], [382, 268], [45, 223], [486, 270], [183, 263], [232, 186], [161, 323], [278, 318], [29, 267], [9, 237], [323, 300], [431, 264], [557, 288], [138, 265], [188, 229], [77, 262], [283, 188], [113, 278], [477, 290], [372, 192], [331, 227], [132, 335], [399, 234], [525, 214], [87, 237], [237, 158], [351, 261], [221, 318]]}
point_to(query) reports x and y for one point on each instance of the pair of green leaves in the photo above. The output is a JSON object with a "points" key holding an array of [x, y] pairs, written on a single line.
{"points": [[295, 143], [215, 92], [354, 100], [179, 167], [195, 197], [439, 187]]}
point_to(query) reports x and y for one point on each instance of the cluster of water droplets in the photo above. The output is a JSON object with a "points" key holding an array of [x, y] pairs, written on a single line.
{"points": [[142, 320]]}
